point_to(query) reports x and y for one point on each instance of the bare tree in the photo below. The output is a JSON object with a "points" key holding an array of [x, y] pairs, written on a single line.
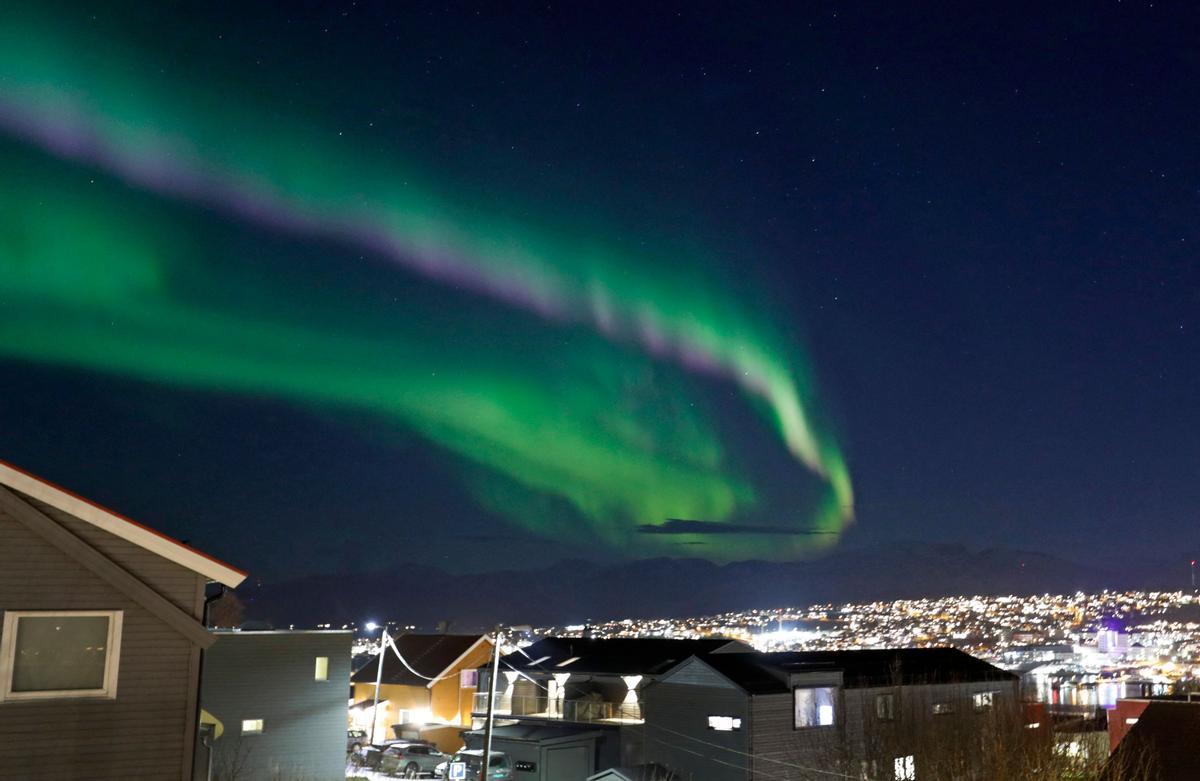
{"points": [[232, 760], [227, 611], [965, 739]]}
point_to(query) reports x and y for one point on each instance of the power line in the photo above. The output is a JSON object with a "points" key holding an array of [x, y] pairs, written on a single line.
{"points": [[392, 644], [720, 761], [717, 745], [762, 757]]}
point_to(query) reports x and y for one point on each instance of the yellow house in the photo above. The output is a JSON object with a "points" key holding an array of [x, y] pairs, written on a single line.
{"points": [[426, 691]]}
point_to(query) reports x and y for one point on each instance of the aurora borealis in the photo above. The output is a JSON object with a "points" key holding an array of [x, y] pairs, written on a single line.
{"points": [[149, 227], [344, 285]]}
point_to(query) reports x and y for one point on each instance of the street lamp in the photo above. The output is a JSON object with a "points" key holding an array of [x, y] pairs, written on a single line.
{"points": [[383, 641]]}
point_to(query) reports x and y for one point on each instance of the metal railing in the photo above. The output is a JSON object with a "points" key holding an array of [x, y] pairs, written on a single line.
{"points": [[583, 710]]}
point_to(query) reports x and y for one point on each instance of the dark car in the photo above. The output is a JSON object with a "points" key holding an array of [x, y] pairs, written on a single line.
{"points": [[410, 760], [499, 768]]}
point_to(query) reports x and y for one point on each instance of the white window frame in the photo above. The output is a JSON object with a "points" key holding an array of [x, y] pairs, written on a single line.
{"points": [[835, 707], [112, 660], [725, 723]]}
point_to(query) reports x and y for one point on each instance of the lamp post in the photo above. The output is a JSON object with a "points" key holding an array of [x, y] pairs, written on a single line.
{"points": [[383, 640], [491, 715], [491, 708]]}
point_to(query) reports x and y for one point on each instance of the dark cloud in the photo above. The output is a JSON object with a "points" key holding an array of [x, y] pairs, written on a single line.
{"points": [[682, 526]]}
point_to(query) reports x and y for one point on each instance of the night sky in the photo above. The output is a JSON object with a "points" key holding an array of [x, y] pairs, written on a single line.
{"points": [[337, 286]]}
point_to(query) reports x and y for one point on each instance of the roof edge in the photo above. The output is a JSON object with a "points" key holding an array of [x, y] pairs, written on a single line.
{"points": [[126, 528], [441, 675]]}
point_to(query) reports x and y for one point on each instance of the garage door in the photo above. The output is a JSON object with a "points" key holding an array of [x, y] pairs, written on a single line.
{"points": [[569, 763]]}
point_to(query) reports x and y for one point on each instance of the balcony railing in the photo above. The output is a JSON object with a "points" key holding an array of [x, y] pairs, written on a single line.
{"points": [[583, 710]]}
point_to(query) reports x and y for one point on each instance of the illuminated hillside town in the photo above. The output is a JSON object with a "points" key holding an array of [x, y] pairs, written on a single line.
{"points": [[599, 391], [1077, 650]]}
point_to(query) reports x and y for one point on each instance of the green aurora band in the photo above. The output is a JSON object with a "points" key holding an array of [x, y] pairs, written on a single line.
{"points": [[93, 277]]}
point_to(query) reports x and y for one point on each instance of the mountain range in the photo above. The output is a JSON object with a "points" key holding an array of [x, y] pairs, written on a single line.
{"points": [[578, 591]]}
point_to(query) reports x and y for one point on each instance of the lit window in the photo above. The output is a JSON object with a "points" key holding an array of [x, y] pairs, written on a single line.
{"points": [[252, 726], [724, 723], [468, 679], [983, 700], [322, 670], [885, 707], [1131, 721], [905, 767], [1071, 748], [942, 708], [49, 655], [814, 707]]}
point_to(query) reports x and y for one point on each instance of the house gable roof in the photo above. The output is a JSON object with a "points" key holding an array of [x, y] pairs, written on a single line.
{"points": [[612, 656], [118, 525], [430, 655], [1165, 735], [767, 673]]}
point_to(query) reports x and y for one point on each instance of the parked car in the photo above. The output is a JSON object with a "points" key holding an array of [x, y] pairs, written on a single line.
{"points": [[410, 760], [499, 768], [355, 740], [372, 755]]}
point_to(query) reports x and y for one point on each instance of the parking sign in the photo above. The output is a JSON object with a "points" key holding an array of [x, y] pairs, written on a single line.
{"points": [[458, 771]]}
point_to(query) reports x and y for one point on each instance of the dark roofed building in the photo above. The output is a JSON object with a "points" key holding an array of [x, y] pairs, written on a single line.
{"points": [[866, 668], [746, 716], [1162, 736], [614, 656]]}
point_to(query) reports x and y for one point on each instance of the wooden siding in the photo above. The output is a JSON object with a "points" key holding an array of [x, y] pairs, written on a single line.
{"points": [[858, 735], [699, 753], [452, 702], [175, 582], [146, 731], [271, 676]]}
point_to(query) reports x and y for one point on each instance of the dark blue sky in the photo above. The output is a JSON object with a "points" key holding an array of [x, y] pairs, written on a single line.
{"points": [[981, 222]]}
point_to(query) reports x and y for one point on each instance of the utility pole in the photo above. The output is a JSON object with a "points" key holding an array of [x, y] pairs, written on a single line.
{"points": [[491, 706], [383, 637]]}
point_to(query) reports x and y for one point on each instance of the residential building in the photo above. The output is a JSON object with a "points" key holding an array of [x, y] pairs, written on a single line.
{"points": [[1154, 738], [752, 716], [425, 691], [100, 639], [276, 705], [569, 707]]}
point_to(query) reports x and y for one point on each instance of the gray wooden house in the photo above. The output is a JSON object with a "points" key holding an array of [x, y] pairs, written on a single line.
{"points": [[787, 716], [280, 699], [101, 629]]}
